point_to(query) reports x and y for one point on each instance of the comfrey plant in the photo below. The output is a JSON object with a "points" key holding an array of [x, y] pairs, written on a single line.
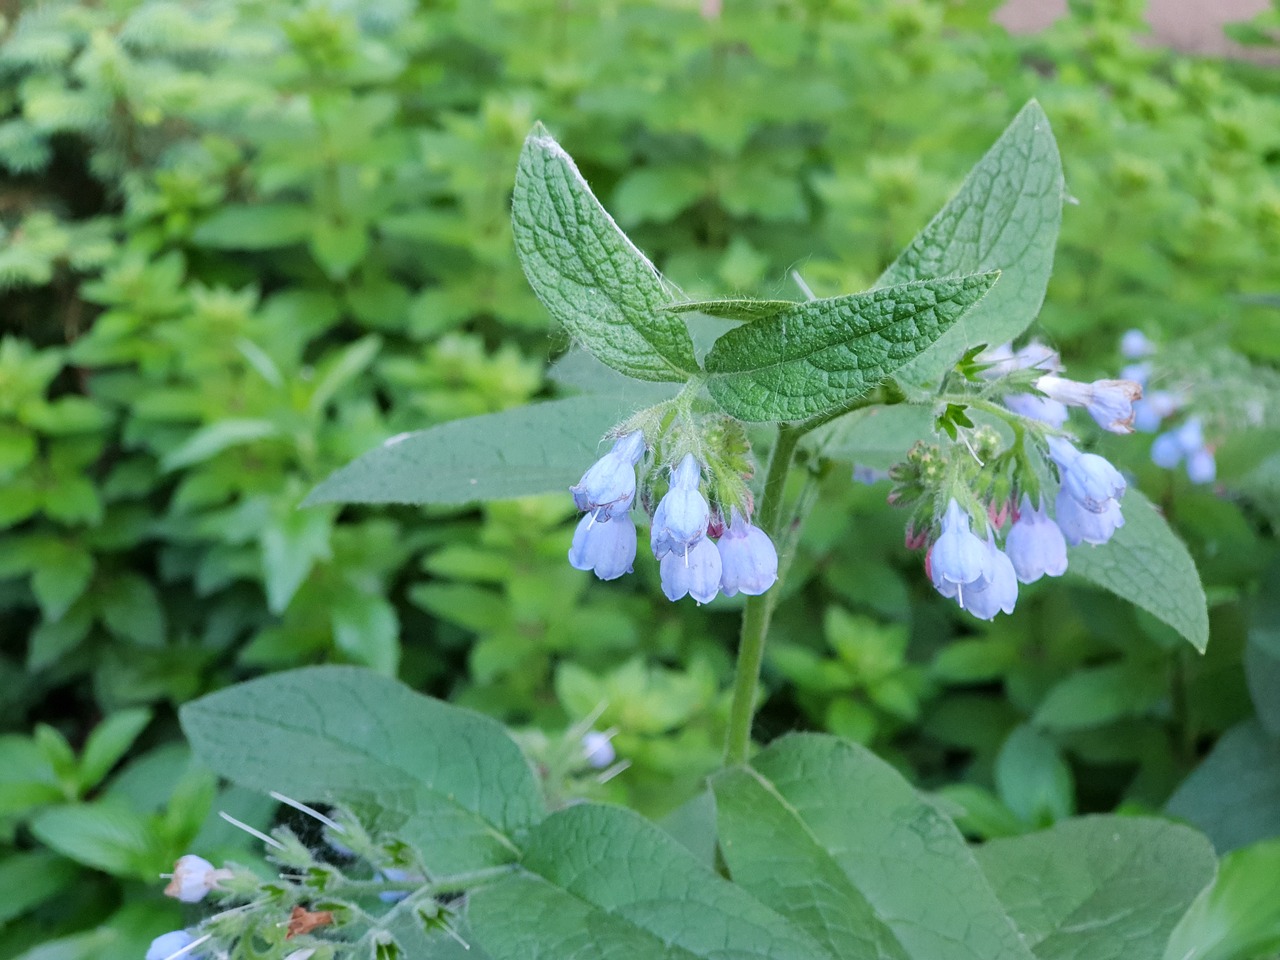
{"points": [[809, 848]]}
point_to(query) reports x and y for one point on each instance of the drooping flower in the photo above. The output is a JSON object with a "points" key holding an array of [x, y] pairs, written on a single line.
{"points": [[958, 560], [748, 558], [168, 944], [1135, 345], [683, 514], [1153, 409], [597, 749], [1139, 373], [1034, 407], [1202, 466], [192, 879], [607, 547], [1035, 544], [694, 571], [1109, 402], [1081, 525], [1088, 478], [609, 485], [1000, 590]]}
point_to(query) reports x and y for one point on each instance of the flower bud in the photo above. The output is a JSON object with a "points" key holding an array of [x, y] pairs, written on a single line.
{"points": [[167, 944], [683, 514], [609, 485], [748, 559], [607, 547], [1035, 545], [597, 749], [192, 879], [695, 572]]}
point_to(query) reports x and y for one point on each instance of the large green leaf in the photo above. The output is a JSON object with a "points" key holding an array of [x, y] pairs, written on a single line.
{"points": [[588, 274], [449, 781], [533, 449], [1099, 887], [602, 882], [1005, 217], [1234, 795], [836, 840], [1146, 564], [816, 357], [1239, 916]]}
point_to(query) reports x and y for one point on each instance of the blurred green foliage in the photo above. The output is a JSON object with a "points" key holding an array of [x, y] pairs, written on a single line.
{"points": [[245, 241]]}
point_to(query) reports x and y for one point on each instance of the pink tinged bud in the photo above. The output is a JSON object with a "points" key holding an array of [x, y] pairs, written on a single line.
{"points": [[597, 749], [748, 559], [682, 515], [192, 879], [1034, 407], [998, 513], [914, 539], [1080, 525], [959, 561], [606, 547], [999, 592], [1035, 545], [695, 572], [609, 485]]}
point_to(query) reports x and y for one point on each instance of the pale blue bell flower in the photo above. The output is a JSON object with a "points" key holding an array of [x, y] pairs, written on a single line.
{"points": [[1139, 373], [1153, 409], [683, 514], [1035, 407], [748, 558], [1202, 466], [1081, 525], [609, 485], [695, 571], [958, 560], [1090, 479], [1109, 402], [999, 592], [1035, 544], [1166, 451], [167, 944], [1134, 345], [607, 547], [597, 749]]}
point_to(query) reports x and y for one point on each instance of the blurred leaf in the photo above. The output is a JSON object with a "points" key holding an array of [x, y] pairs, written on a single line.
{"points": [[258, 226], [104, 835], [367, 629], [352, 361], [1237, 917], [877, 437], [1146, 564], [601, 881], [1234, 795], [588, 274], [1033, 779], [1004, 217], [131, 608], [291, 545], [1099, 886], [450, 782], [62, 576], [108, 742], [837, 841], [1093, 696], [818, 356], [212, 439], [534, 449], [29, 879]]}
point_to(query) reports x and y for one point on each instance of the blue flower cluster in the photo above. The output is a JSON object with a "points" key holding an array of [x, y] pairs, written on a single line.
{"points": [[983, 579], [742, 560]]}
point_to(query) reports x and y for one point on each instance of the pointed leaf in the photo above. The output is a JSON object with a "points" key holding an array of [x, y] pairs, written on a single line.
{"points": [[1146, 564], [817, 356], [1099, 887], [1005, 217], [834, 839], [588, 274], [534, 449], [449, 781], [601, 881], [741, 309]]}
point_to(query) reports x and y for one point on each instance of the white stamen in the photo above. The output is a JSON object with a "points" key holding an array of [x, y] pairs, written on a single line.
{"points": [[271, 841], [454, 933], [189, 947], [310, 811], [804, 287]]}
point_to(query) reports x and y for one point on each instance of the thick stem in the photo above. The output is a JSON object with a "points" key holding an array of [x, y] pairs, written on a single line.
{"points": [[759, 610]]}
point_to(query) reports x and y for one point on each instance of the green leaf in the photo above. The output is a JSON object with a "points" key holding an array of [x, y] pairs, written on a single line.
{"points": [[1004, 217], [816, 357], [1033, 779], [350, 362], [108, 742], [63, 574], [877, 437], [1234, 795], [29, 879], [367, 629], [1099, 886], [132, 610], [291, 546], [259, 226], [1094, 696], [533, 449], [1146, 564], [107, 836], [588, 274], [449, 781], [211, 440], [833, 838], [743, 309], [1239, 916], [600, 881]]}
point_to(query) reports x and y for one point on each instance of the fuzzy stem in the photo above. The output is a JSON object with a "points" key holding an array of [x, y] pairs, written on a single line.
{"points": [[758, 610]]}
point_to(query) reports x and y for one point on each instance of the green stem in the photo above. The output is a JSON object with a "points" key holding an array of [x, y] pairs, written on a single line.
{"points": [[759, 610]]}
